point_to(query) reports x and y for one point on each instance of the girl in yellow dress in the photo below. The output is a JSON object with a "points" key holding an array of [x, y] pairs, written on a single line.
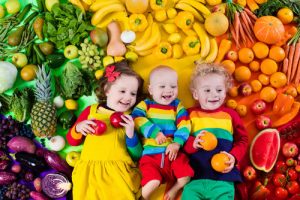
{"points": [[106, 170]]}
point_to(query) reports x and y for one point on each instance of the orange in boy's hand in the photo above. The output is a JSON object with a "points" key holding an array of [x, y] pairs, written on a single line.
{"points": [[218, 162], [210, 141]]}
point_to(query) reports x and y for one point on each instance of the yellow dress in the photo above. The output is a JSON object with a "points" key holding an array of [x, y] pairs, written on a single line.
{"points": [[105, 170]]}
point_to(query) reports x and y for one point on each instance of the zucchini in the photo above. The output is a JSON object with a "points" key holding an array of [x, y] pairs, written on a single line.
{"points": [[31, 161], [55, 60]]}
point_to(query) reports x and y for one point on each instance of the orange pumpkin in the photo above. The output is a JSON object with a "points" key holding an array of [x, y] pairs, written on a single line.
{"points": [[137, 6], [269, 29]]}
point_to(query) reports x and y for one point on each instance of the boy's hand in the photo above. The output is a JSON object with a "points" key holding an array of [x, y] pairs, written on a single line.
{"points": [[85, 127], [172, 150], [160, 138], [230, 163], [196, 143], [128, 124]]}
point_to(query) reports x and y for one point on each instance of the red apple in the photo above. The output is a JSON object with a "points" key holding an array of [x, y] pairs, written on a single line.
{"points": [[262, 122], [290, 150], [249, 173], [115, 119], [258, 107], [290, 162], [231, 55], [100, 128], [245, 89]]}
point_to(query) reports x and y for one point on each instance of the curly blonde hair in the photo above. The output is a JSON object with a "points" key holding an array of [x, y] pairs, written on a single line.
{"points": [[204, 69]]}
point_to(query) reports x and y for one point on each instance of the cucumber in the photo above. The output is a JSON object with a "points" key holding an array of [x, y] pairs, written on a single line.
{"points": [[55, 60]]}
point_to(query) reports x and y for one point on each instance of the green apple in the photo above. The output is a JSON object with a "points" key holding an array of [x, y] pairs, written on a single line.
{"points": [[13, 6], [71, 52], [72, 157], [2, 11], [19, 59], [50, 3]]}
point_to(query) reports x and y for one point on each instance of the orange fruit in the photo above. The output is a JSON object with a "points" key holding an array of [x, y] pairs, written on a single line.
{"points": [[210, 141], [218, 162], [28, 72], [291, 90], [261, 50], [264, 79], [229, 65], [242, 74], [254, 66], [268, 94], [233, 92], [277, 53], [246, 55], [285, 15], [241, 110], [278, 79], [71, 104], [256, 85], [231, 103], [268, 66]]}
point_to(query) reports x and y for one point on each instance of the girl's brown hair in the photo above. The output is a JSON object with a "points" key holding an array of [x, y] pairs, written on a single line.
{"points": [[124, 69], [204, 69]]}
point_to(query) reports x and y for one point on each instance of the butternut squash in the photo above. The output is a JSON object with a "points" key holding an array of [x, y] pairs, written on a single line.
{"points": [[224, 47], [115, 46]]}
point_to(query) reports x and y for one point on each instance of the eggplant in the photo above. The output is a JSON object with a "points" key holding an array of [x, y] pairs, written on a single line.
{"points": [[7, 178], [38, 196], [57, 163], [31, 161]]}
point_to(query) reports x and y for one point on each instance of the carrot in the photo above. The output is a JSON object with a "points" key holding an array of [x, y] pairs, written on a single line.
{"points": [[285, 65], [295, 62], [237, 27], [249, 20], [243, 35], [290, 57], [250, 14], [247, 27], [233, 35], [286, 50]]}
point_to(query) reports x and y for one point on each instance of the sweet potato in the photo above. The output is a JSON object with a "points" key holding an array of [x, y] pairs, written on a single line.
{"points": [[21, 144]]}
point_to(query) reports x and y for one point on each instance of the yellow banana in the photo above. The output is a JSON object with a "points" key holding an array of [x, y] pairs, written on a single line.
{"points": [[154, 39], [189, 8], [97, 5], [115, 16], [189, 32], [213, 52], [204, 39], [100, 14], [199, 6], [146, 52], [88, 2]]}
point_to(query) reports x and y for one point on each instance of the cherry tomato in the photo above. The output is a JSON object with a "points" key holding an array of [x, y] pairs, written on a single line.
{"points": [[100, 128], [280, 167], [292, 175], [279, 180], [115, 119], [293, 187], [281, 193]]}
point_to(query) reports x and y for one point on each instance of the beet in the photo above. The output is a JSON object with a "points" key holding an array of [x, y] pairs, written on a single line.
{"points": [[55, 185]]}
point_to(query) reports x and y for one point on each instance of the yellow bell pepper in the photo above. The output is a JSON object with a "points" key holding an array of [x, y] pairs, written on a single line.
{"points": [[158, 4], [138, 22], [184, 20], [163, 50], [177, 51], [191, 45]]}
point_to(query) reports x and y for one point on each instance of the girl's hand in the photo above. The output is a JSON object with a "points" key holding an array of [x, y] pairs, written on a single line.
{"points": [[230, 163], [172, 150], [128, 124], [85, 127], [160, 138], [196, 143]]}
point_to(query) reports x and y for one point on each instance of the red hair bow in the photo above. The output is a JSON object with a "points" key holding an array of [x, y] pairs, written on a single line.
{"points": [[111, 74]]}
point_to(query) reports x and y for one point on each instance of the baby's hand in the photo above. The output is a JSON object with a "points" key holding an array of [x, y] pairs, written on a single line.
{"points": [[160, 138], [128, 124], [196, 143], [85, 127], [172, 150], [230, 163]]}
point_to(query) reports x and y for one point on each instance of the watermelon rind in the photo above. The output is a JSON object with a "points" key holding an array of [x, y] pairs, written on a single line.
{"points": [[264, 149]]}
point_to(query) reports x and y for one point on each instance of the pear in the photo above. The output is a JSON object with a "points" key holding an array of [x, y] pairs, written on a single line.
{"points": [[47, 48], [50, 3], [38, 27], [15, 37], [99, 37]]}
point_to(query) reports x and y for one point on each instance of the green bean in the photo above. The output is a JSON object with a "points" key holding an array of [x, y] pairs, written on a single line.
{"points": [[40, 55], [24, 12], [30, 17]]}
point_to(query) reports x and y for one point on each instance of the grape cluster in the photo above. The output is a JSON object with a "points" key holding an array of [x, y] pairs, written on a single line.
{"points": [[3, 190], [26, 131], [17, 191], [8, 126], [291, 132]]}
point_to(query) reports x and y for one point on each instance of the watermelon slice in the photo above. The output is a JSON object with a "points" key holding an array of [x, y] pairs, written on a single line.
{"points": [[264, 149]]}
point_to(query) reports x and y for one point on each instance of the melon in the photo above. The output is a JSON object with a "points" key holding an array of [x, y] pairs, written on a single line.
{"points": [[264, 149]]}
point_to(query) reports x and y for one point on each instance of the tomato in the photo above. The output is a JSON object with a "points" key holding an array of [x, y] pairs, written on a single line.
{"points": [[292, 175], [115, 119], [293, 187], [280, 166], [281, 193], [279, 180], [100, 128]]}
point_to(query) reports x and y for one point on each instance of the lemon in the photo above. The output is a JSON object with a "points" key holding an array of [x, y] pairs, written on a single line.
{"points": [[213, 2], [131, 56], [71, 104], [107, 60], [50, 3], [2, 11], [98, 74]]}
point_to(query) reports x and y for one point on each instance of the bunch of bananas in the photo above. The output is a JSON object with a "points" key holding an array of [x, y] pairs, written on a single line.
{"points": [[196, 7]]}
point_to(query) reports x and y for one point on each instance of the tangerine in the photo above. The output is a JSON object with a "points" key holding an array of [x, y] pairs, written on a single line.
{"points": [[256, 85], [278, 79], [233, 92], [268, 94], [245, 55], [218, 162], [285, 15], [291, 90], [277, 53], [231, 103], [268, 66], [261, 50], [241, 110], [209, 142], [242, 74], [264, 79], [254, 66], [229, 65]]}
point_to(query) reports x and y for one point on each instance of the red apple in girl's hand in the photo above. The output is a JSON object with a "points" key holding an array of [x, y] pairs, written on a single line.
{"points": [[100, 128], [115, 119]]}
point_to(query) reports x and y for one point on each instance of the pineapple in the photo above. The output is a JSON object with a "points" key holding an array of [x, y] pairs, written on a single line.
{"points": [[43, 113]]}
